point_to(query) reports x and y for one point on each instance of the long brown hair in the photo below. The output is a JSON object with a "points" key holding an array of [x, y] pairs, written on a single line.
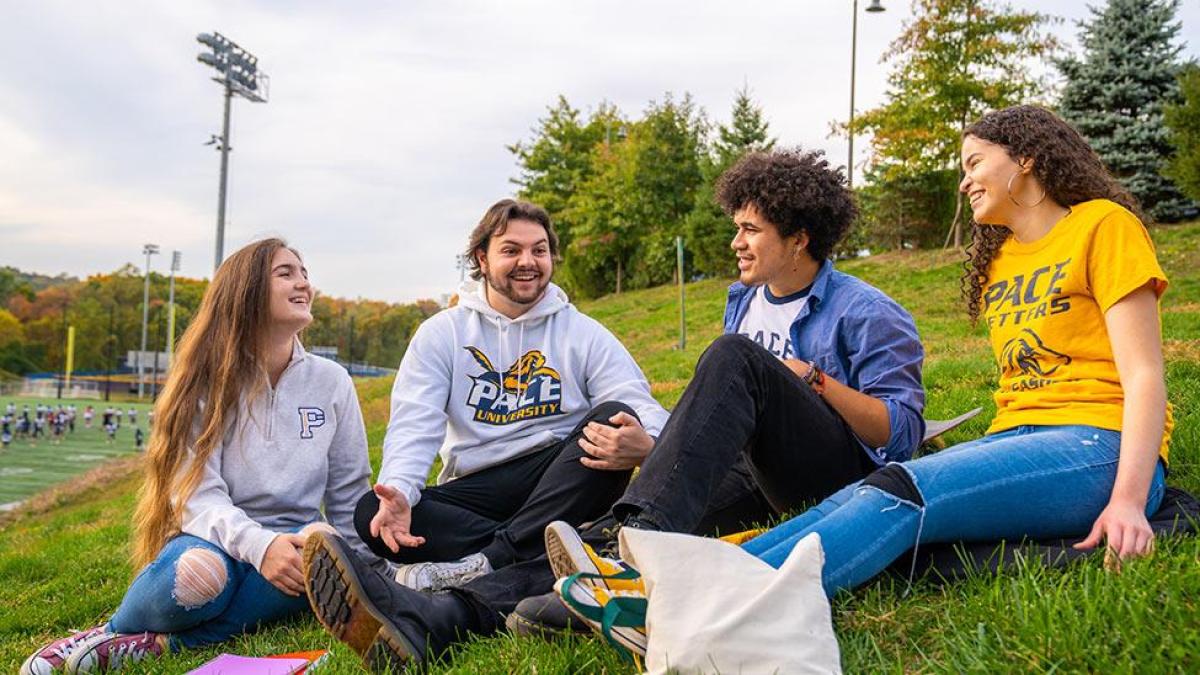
{"points": [[219, 360], [1064, 164]]}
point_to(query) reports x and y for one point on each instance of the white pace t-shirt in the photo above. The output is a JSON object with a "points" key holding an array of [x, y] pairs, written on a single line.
{"points": [[768, 320]]}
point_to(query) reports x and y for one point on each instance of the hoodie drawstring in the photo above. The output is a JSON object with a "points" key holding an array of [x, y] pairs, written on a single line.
{"points": [[521, 387]]}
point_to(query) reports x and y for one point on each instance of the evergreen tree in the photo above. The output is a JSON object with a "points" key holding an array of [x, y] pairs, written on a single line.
{"points": [[1184, 122], [747, 130], [1116, 93], [708, 230]]}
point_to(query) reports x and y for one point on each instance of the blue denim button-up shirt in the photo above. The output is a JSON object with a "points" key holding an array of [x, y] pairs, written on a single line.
{"points": [[862, 338]]}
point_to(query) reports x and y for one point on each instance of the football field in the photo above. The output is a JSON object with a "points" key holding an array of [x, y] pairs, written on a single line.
{"points": [[27, 468]]}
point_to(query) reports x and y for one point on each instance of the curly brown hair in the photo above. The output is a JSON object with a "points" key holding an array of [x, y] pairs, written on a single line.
{"points": [[1063, 163], [794, 190]]}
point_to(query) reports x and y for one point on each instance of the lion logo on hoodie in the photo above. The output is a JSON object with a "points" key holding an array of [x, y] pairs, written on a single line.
{"points": [[528, 389]]}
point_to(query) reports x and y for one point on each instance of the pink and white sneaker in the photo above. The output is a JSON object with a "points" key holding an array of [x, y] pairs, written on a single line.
{"points": [[111, 651], [53, 656]]}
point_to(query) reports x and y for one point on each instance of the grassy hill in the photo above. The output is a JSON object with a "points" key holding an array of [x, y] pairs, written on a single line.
{"points": [[62, 562]]}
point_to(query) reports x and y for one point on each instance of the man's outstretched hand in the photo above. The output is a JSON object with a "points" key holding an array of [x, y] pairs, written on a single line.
{"points": [[393, 520]]}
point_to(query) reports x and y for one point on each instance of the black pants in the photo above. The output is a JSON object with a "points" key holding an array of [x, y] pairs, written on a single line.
{"points": [[748, 441], [503, 510]]}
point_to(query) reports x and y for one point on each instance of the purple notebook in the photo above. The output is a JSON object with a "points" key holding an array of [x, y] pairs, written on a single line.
{"points": [[231, 664]]}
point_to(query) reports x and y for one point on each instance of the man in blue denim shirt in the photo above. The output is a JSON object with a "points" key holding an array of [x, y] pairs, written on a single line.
{"points": [[877, 350], [816, 382]]}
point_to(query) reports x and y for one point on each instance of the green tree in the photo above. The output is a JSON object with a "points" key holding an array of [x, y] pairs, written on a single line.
{"points": [[557, 161], [1183, 120], [636, 200], [666, 147], [707, 228], [12, 346], [11, 284], [1115, 94], [953, 61], [605, 240], [904, 212]]}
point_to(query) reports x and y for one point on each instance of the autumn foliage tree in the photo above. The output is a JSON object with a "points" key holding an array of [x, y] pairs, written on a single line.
{"points": [[953, 61], [106, 312]]}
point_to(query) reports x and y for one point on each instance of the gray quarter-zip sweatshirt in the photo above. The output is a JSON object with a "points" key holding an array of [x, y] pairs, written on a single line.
{"points": [[299, 446]]}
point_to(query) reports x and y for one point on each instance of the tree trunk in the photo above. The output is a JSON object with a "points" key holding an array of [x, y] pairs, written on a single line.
{"points": [[618, 276], [955, 232]]}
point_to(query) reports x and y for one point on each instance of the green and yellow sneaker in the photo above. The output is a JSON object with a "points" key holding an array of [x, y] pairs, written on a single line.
{"points": [[569, 555], [619, 616]]}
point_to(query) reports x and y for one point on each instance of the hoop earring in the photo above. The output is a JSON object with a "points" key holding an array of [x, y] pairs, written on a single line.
{"points": [[1014, 199]]}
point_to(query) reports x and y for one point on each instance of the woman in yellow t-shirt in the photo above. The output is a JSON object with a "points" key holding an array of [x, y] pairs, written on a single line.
{"points": [[1063, 274]]}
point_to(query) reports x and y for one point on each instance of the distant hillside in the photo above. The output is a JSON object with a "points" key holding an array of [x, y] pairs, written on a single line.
{"points": [[37, 282]]}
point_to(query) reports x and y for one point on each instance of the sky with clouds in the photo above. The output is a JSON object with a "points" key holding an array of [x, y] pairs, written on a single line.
{"points": [[385, 136]]}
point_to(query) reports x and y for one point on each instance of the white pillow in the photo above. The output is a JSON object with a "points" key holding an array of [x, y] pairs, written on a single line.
{"points": [[712, 607]]}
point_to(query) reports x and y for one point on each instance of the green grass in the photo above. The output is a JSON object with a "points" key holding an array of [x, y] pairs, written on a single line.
{"points": [[65, 566], [27, 468]]}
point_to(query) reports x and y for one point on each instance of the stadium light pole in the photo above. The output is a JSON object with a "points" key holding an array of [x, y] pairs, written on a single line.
{"points": [[112, 347], [239, 75], [176, 258], [875, 7], [149, 250]]}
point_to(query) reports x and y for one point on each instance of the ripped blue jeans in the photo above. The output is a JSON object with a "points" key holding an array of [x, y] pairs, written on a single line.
{"points": [[196, 602], [1031, 481]]}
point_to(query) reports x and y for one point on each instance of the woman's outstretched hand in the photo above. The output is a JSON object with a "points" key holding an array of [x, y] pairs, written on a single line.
{"points": [[1124, 527]]}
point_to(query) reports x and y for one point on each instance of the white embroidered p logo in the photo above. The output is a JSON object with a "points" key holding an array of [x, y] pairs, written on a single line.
{"points": [[310, 418]]}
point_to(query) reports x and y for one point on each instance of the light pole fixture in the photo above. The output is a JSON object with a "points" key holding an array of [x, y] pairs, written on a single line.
{"points": [[460, 262], [239, 75], [875, 7], [147, 250], [176, 258]]}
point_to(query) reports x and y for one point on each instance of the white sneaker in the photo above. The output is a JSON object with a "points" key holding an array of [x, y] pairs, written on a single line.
{"points": [[435, 576]]}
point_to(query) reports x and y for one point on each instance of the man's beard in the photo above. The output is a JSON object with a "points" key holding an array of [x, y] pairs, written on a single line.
{"points": [[504, 286]]}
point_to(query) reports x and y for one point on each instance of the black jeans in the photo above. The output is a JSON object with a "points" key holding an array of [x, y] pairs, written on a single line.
{"points": [[503, 510], [747, 442]]}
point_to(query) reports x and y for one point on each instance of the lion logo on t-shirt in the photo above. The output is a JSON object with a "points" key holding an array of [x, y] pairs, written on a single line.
{"points": [[1027, 354]]}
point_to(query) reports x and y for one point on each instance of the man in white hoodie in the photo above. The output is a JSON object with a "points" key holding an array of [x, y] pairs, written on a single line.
{"points": [[536, 411]]}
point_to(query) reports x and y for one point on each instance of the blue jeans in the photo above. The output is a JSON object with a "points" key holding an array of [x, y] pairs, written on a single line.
{"points": [[246, 600], [1033, 481]]}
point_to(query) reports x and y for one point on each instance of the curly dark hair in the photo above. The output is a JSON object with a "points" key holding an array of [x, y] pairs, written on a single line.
{"points": [[1063, 163], [794, 190]]}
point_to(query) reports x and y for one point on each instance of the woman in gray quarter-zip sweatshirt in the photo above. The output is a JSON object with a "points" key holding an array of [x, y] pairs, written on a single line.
{"points": [[255, 444]]}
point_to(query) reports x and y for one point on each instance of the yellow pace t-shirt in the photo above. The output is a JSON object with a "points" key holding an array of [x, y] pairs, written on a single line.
{"points": [[1044, 305]]}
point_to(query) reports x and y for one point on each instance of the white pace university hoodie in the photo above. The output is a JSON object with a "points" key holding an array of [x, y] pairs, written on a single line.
{"points": [[484, 389]]}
